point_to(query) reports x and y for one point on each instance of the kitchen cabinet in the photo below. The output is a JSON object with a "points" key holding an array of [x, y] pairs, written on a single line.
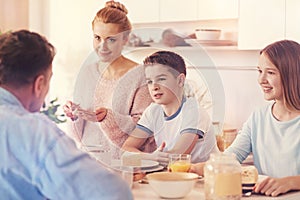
{"points": [[292, 20], [179, 10], [141, 11], [144, 11], [218, 9], [154, 11], [260, 23], [263, 22]]}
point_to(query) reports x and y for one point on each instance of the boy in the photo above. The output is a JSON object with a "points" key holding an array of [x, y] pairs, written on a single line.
{"points": [[178, 124]]}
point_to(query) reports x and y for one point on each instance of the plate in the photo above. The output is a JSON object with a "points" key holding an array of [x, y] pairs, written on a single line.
{"points": [[153, 169], [92, 148], [146, 164]]}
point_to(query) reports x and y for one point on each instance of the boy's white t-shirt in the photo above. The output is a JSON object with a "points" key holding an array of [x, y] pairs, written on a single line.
{"points": [[190, 118]]}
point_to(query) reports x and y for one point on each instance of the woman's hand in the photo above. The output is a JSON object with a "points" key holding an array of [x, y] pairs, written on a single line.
{"points": [[136, 117], [101, 114], [69, 109], [275, 186]]}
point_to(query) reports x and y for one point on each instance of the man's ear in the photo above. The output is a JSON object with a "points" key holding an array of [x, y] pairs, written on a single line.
{"points": [[181, 79], [38, 85]]}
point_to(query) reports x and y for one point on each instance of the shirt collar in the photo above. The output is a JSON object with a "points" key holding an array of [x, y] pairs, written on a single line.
{"points": [[177, 112], [7, 98]]}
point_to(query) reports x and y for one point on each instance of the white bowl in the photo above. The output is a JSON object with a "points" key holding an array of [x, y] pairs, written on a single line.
{"points": [[208, 34], [172, 184]]}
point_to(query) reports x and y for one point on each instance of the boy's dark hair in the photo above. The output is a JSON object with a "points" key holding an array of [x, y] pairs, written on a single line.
{"points": [[167, 58], [23, 56]]}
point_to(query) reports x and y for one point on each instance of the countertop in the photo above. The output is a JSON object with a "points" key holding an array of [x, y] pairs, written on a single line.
{"points": [[144, 191]]}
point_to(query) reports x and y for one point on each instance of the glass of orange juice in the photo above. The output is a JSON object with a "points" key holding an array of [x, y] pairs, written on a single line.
{"points": [[179, 162]]}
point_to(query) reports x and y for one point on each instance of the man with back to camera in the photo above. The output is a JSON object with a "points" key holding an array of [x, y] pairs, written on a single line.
{"points": [[38, 160]]}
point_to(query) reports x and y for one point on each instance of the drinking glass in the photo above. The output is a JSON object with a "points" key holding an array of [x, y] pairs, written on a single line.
{"points": [[127, 175], [179, 162]]}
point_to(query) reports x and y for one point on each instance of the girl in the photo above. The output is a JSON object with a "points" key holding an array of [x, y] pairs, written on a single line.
{"points": [[272, 132]]}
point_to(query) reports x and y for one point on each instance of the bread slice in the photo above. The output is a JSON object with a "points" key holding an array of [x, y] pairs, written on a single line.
{"points": [[131, 159]]}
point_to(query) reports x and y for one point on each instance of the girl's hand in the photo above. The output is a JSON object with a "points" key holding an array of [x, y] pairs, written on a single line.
{"points": [[101, 114], [69, 109], [274, 186]]}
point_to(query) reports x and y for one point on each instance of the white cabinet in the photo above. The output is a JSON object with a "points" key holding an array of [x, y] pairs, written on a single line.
{"points": [[142, 11], [264, 22], [218, 9], [293, 20], [145, 11], [179, 10], [260, 23], [191, 10]]}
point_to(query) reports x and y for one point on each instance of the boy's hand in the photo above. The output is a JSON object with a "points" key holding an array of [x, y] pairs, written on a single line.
{"points": [[158, 155]]}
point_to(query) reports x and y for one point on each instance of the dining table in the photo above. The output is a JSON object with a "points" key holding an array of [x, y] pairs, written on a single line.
{"points": [[142, 191]]}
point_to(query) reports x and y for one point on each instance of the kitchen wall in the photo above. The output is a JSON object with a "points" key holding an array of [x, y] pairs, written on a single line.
{"points": [[228, 72], [238, 77]]}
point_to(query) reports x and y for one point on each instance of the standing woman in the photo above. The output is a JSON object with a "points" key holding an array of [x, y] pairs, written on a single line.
{"points": [[272, 133], [95, 85]]}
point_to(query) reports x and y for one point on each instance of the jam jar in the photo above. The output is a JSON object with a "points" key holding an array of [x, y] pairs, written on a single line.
{"points": [[222, 177]]}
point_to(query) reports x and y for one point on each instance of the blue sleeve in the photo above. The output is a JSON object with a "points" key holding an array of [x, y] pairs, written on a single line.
{"points": [[195, 131], [68, 173], [146, 122], [145, 129], [241, 146]]}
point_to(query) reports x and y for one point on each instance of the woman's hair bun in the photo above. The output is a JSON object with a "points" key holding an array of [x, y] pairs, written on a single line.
{"points": [[116, 5]]}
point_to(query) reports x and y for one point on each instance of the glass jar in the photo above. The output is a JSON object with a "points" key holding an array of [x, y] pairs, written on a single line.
{"points": [[219, 136], [229, 136], [222, 176]]}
